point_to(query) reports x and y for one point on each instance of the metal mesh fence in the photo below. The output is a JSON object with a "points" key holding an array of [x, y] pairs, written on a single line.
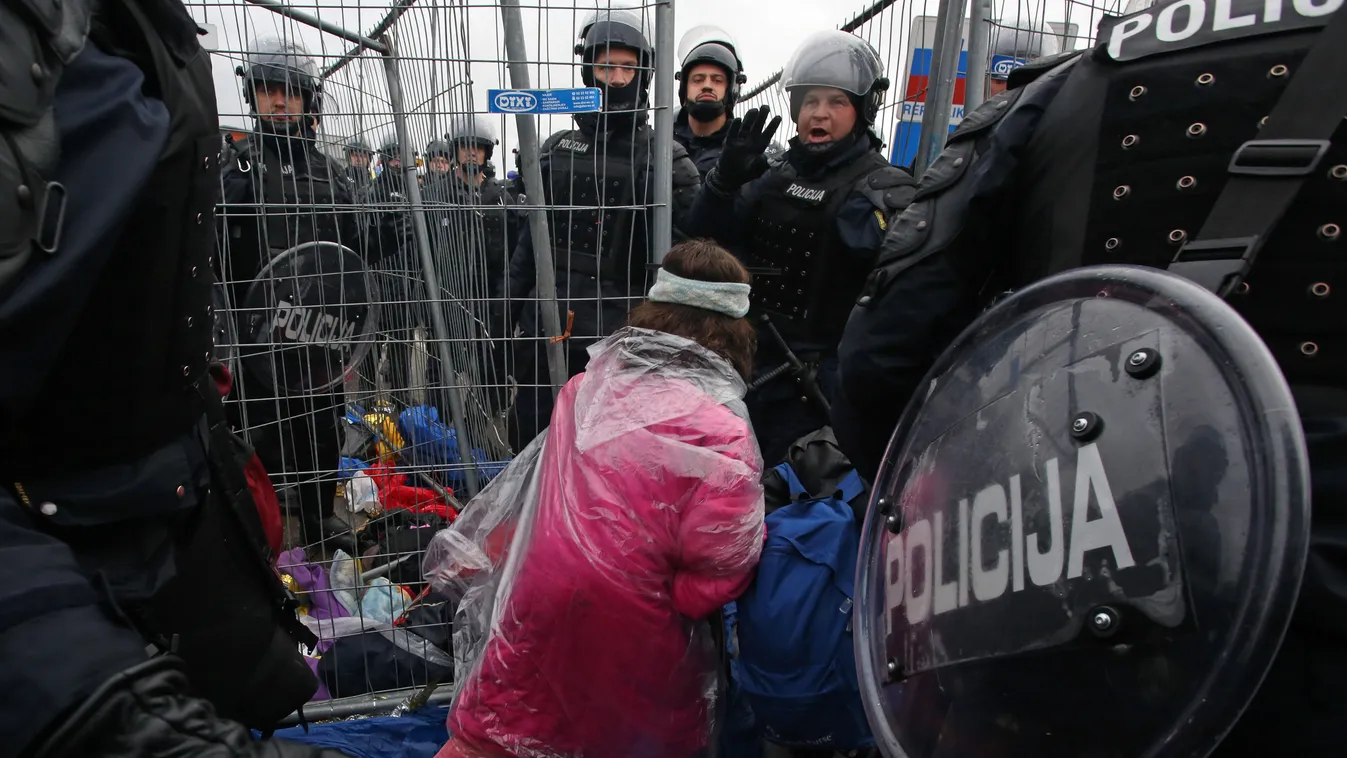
{"points": [[390, 345], [381, 351]]}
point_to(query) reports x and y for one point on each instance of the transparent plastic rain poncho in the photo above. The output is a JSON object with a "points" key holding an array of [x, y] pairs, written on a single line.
{"points": [[589, 572]]}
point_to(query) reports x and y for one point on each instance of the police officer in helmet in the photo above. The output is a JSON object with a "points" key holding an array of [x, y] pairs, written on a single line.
{"points": [[281, 191], [809, 224], [122, 536], [473, 139], [390, 186], [359, 157], [605, 167], [708, 87], [1013, 43], [1197, 137]]}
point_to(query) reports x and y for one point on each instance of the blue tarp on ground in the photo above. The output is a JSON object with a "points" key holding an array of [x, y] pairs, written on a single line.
{"points": [[416, 735]]}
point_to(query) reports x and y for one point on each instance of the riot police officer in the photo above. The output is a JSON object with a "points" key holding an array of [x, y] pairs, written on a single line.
{"points": [[116, 528], [474, 185], [390, 185], [709, 80], [604, 166], [1013, 43], [1209, 147], [280, 192], [359, 156], [809, 223]]}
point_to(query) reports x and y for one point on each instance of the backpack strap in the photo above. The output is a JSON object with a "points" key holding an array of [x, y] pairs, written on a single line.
{"points": [[796, 488], [851, 486], [1267, 173]]}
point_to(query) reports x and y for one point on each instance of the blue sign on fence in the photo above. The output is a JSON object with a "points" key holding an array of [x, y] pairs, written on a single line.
{"points": [[545, 101]]}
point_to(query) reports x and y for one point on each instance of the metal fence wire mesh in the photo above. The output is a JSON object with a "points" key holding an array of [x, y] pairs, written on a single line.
{"points": [[387, 356]]}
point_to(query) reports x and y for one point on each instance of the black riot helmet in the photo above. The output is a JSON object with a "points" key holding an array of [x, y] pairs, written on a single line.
{"points": [[617, 28], [710, 44], [391, 150], [277, 62], [841, 60], [358, 145], [440, 149], [472, 130]]}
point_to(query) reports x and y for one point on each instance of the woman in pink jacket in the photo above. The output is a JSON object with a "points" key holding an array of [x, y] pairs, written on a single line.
{"points": [[639, 517]]}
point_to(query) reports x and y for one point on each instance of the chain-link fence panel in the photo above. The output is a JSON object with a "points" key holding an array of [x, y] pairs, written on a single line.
{"points": [[429, 210]]}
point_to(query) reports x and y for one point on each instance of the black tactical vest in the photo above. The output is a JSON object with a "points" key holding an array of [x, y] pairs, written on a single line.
{"points": [[1171, 120], [144, 337], [811, 282], [296, 198], [606, 237]]}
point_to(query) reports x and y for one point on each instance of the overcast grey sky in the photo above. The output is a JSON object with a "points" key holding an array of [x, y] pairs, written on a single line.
{"points": [[439, 38]]}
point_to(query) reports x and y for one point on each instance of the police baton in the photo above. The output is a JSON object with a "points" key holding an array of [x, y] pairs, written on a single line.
{"points": [[808, 379]]}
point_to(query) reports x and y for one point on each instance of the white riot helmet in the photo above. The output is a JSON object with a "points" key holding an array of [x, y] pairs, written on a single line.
{"points": [[1015, 42]]}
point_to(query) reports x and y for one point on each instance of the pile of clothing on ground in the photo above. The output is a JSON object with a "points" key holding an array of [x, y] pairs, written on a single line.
{"points": [[380, 624]]}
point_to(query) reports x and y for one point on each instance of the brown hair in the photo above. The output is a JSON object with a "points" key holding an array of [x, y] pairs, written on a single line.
{"points": [[733, 339]]}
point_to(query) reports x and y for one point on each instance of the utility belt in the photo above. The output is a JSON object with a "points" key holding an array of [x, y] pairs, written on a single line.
{"points": [[803, 367]]}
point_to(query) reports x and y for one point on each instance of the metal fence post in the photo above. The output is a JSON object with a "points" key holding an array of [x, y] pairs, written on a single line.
{"points": [[421, 234], [517, 55], [662, 228], [975, 80], [944, 73]]}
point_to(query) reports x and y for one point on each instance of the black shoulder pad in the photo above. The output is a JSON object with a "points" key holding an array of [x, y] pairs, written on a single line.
{"points": [[1034, 69], [888, 187], [986, 115]]}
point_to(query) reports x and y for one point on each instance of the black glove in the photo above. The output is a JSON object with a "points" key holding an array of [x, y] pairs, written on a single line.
{"points": [[741, 159], [146, 712]]}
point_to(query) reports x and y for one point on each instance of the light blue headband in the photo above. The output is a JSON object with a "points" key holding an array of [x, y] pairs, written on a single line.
{"points": [[728, 298]]}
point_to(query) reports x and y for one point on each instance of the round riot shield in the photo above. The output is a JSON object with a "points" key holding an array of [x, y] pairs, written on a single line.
{"points": [[308, 318], [1088, 532]]}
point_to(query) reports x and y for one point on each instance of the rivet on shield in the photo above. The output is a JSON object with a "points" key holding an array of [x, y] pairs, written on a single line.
{"points": [[895, 670], [1130, 141], [1197, 130], [1121, 191], [1277, 70], [894, 523], [1143, 363], [1086, 426], [1137, 92], [1338, 172], [1329, 232], [1309, 349], [1112, 243], [1186, 182], [1177, 236], [1104, 622], [1243, 288], [1205, 80], [1319, 289]]}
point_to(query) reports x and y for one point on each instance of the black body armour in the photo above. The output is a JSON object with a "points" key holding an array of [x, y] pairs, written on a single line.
{"points": [[144, 338], [811, 282], [298, 195], [600, 175], [1159, 170]]}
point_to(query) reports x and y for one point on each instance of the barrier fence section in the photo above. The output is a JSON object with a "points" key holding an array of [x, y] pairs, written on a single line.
{"points": [[398, 309], [937, 55], [387, 358]]}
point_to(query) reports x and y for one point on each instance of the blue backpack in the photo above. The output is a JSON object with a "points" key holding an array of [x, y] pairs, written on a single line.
{"points": [[794, 663]]}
